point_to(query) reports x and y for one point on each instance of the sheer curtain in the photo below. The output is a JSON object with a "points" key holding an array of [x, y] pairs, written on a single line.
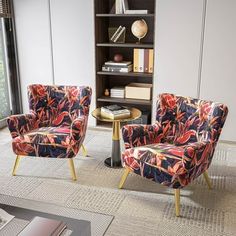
{"points": [[5, 99], [10, 99]]}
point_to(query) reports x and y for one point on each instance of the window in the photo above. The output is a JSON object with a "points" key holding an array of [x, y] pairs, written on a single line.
{"points": [[5, 104], [10, 99]]}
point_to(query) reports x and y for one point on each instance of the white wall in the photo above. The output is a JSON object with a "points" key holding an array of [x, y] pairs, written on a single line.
{"points": [[33, 43], [179, 37], [72, 48], [218, 80], [73, 43], [177, 46]]}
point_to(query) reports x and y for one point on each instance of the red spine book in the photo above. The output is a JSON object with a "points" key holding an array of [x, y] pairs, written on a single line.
{"points": [[146, 60]]}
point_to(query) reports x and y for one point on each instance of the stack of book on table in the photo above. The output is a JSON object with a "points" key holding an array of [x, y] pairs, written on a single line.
{"points": [[115, 112], [112, 66], [117, 92]]}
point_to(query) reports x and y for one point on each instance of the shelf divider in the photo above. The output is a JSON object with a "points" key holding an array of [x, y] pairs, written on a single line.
{"points": [[130, 74], [126, 45], [125, 15], [125, 100]]}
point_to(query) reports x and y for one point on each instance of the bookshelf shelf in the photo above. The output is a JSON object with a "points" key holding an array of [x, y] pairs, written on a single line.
{"points": [[126, 45], [132, 74], [125, 101], [125, 15], [105, 51]]}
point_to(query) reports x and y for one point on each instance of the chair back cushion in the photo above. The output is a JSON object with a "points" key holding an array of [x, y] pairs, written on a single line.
{"points": [[187, 120], [58, 105]]}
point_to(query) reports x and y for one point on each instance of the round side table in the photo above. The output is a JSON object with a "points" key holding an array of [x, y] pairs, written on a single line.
{"points": [[115, 159]]}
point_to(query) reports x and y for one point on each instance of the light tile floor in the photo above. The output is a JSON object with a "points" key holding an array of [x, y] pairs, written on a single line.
{"points": [[143, 207]]}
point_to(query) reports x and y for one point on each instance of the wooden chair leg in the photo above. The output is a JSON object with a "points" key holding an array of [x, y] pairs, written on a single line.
{"points": [[72, 169], [177, 202], [16, 165], [124, 177], [84, 150], [208, 180]]}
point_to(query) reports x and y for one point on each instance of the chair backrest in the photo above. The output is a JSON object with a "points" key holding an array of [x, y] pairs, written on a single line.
{"points": [[187, 120], [58, 105]]}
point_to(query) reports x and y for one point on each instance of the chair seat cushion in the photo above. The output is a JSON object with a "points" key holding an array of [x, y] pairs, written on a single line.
{"points": [[162, 162], [46, 142]]}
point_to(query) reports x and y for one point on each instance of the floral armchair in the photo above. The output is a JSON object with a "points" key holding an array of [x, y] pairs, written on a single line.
{"points": [[179, 147], [55, 126]]}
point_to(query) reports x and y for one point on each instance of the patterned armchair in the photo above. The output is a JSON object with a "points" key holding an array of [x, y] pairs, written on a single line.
{"points": [[55, 126], [179, 147]]}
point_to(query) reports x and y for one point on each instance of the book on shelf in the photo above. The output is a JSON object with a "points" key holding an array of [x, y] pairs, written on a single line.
{"points": [[39, 226], [143, 60], [122, 69], [122, 7], [150, 63], [146, 61], [119, 7], [117, 92], [136, 12], [115, 112], [122, 63], [125, 5], [5, 218], [118, 88], [117, 95]]}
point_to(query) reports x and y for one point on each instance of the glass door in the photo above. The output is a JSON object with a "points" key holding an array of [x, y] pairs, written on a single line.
{"points": [[5, 98]]}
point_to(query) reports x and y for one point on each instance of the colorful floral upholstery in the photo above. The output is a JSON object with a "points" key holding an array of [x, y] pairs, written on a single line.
{"points": [[56, 124], [180, 145]]}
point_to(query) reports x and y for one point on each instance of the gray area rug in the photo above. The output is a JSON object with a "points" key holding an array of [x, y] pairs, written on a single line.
{"points": [[143, 207]]}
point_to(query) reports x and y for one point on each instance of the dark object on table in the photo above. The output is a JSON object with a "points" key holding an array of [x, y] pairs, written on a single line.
{"points": [[144, 119], [118, 57], [43, 226]]}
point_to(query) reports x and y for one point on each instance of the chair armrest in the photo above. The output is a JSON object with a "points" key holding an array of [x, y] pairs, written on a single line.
{"points": [[139, 135], [198, 156], [78, 128], [21, 124]]}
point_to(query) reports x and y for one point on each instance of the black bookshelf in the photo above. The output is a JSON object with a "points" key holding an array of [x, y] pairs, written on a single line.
{"points": [[105, 50]]}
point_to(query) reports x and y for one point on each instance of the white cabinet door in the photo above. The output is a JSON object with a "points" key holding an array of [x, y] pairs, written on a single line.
{"points": [[33, 44], [177, 46], [73, 44], [218, 80]]}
